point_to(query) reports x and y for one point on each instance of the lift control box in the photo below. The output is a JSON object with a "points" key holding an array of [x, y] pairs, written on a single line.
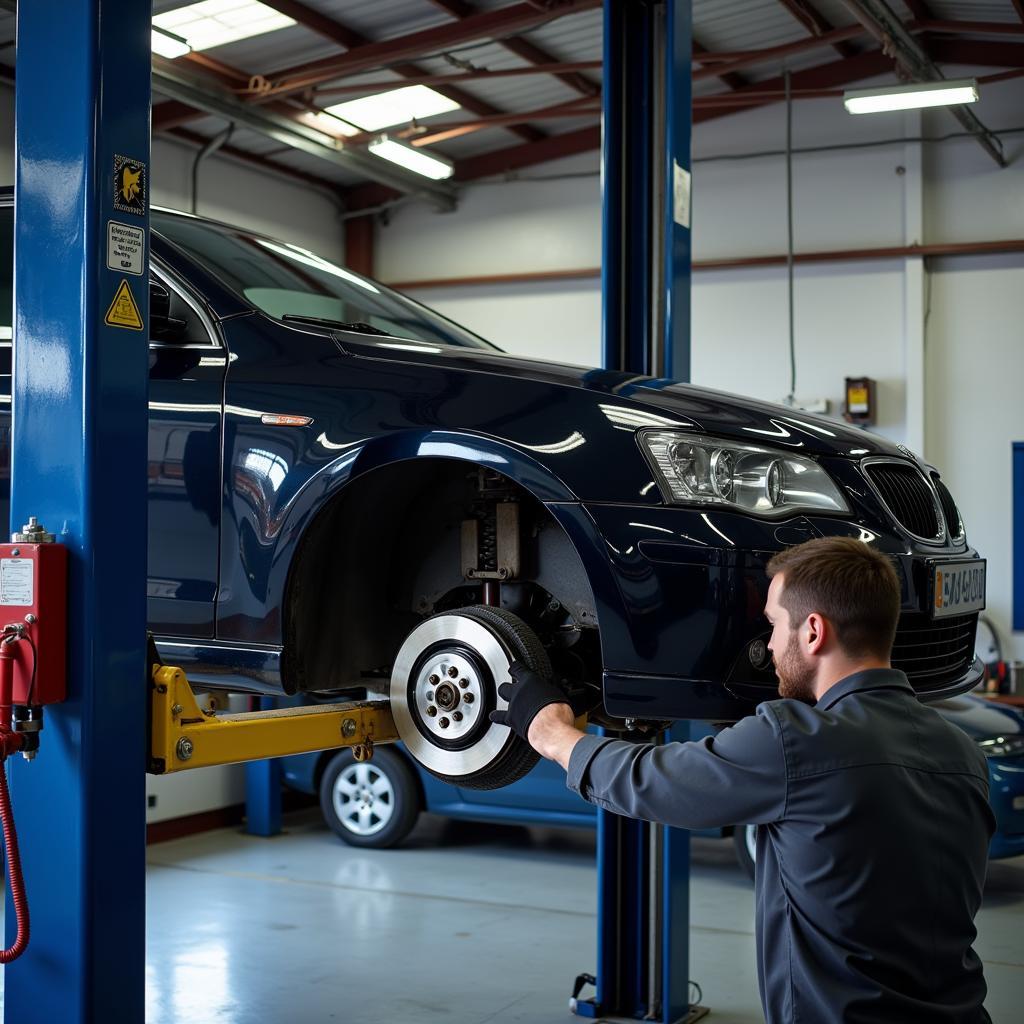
{"points": [[34, 602]]}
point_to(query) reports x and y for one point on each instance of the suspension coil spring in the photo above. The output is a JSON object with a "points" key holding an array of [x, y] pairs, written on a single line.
{"points": [[489, 541]]}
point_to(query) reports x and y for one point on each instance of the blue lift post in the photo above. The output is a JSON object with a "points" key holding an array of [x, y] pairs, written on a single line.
{"points": [[79, 464], [644, 870], [263, 791]]}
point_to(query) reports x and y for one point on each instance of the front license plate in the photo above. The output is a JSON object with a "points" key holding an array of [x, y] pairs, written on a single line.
{"points": [[1018, 803], [958, 588]]}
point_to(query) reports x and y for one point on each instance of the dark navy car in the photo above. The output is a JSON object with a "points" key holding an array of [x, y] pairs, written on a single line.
{"points": [[350, 493]]}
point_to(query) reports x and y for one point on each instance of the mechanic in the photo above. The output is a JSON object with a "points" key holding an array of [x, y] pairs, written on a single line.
{"points": [[873, 811]]}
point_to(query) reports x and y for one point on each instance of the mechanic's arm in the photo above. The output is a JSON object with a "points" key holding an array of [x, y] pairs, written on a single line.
{"points": [[737, 777]]}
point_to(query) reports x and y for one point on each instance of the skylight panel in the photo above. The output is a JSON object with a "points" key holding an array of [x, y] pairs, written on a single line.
{"points": [[211, 23]]}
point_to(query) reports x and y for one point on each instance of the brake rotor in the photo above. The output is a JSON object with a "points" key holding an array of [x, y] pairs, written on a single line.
{"points": [[443, 688]]}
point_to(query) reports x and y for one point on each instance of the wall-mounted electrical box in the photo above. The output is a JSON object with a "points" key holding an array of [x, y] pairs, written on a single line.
{"points": [[860, 406]]}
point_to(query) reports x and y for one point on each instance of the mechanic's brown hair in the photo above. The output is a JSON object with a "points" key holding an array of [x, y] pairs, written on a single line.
{"points": [[849, 582]]}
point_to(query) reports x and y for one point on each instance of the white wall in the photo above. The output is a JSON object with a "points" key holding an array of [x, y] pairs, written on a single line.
{"points": [[945, 342], [249, 197], [192, 792]]}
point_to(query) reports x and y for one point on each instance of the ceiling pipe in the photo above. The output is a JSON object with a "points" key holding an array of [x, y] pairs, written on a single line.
{"points": [[209, 149]]}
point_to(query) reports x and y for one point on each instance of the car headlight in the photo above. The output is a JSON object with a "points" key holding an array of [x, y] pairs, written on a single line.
{"points": [[1001, 746], [695, 470]]}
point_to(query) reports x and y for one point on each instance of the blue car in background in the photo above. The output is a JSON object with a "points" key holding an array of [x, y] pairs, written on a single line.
{"points": [[376, 804]]}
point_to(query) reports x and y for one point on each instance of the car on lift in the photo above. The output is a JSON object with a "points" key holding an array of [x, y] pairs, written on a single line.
{"points": [[377, 805], [351, 494]]}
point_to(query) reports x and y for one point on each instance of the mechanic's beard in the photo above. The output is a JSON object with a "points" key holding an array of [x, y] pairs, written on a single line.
{"points": [[796, 677]]}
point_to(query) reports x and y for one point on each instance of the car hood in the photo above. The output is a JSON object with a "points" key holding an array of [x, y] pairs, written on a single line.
{"points": [[981, 718], [669, 404]]}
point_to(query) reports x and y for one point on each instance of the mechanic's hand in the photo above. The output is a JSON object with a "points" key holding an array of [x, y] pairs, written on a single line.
{"points": [[527, 694]]}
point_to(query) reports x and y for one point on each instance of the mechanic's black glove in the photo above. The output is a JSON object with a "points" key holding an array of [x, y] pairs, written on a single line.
{"points": [[526, 695]]}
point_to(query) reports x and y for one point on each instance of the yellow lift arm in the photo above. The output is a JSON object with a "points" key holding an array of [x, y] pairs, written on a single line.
{"points": [[184, 735]]}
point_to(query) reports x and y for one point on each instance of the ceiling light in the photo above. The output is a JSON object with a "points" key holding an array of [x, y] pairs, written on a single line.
{"points": [[400, 106], [909, 97], [168, 45], [216, 22], [411, 159]]}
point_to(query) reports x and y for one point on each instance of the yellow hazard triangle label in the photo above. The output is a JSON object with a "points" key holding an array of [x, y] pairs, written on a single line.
{"points": [[123, 311]]}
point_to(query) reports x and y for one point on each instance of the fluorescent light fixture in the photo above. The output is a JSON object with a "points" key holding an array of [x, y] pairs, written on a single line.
{"points": [[213, 23], [411, 159], [169, 45], [909, 97], [400, 106]]}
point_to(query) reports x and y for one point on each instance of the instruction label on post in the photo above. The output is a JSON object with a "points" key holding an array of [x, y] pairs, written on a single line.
{"points": [[126, 247], [680, 195], [124, 312], [129, 185], [16, 582]]}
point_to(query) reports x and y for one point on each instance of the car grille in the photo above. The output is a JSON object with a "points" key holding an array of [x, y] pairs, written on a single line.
{"points": [[935, 652], [908, 497], [954, 525]]}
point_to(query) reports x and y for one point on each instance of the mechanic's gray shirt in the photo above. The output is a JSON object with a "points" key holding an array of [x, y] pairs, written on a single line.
{"points": [[871, 853]]}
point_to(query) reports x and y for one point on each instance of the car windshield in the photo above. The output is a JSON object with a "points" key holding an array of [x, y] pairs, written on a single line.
{"points": [[286, 280]]}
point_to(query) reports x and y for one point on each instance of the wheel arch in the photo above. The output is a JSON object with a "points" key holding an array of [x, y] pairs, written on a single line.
{"points": [[344, 542]]}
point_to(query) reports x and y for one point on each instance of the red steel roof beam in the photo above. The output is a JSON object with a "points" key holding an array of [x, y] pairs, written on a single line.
{"points": [[824, 76], [515, 158], [369, 88], [737, 60], [350, 39], [976, 51], [475, 28], [730, 78], [816, 24], [524, 49], [1018, 6]]}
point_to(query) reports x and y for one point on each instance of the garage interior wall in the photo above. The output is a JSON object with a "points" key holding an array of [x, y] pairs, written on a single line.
{"points": [[929, 334]]}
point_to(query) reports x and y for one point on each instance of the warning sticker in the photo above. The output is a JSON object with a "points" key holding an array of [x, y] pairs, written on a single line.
{"points": [[123, 311], [16, 582], [126, 247], [129, 185]]}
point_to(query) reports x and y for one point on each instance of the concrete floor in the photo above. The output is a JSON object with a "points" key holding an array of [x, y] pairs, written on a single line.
{"points": [[465, 924]]}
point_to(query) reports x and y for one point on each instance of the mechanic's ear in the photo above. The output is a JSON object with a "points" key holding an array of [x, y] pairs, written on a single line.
{"points": [[817, 630]]}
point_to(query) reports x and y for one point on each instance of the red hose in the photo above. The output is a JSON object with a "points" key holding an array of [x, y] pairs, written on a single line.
{"points": [[14, 876]]}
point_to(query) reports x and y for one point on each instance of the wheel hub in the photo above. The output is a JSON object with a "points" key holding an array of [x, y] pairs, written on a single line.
{"points": [[442, 689], [448, 695], [364, 799]]}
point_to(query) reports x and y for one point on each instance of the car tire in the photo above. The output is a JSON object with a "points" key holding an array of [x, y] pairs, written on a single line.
{"points": [[744, 838], [370, 803], [474, 646]]}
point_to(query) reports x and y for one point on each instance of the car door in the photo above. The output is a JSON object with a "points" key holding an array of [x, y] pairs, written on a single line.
{"points": [[187, 365]]}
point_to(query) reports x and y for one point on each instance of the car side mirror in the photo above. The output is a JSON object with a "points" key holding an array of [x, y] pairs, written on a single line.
{"points": [[163, 326]]}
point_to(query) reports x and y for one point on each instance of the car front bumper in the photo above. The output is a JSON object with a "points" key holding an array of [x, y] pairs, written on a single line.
{"points": [[680, 598]]}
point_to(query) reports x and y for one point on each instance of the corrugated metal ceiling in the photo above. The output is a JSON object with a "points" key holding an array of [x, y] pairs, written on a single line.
{"points": [[736, 25]]}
